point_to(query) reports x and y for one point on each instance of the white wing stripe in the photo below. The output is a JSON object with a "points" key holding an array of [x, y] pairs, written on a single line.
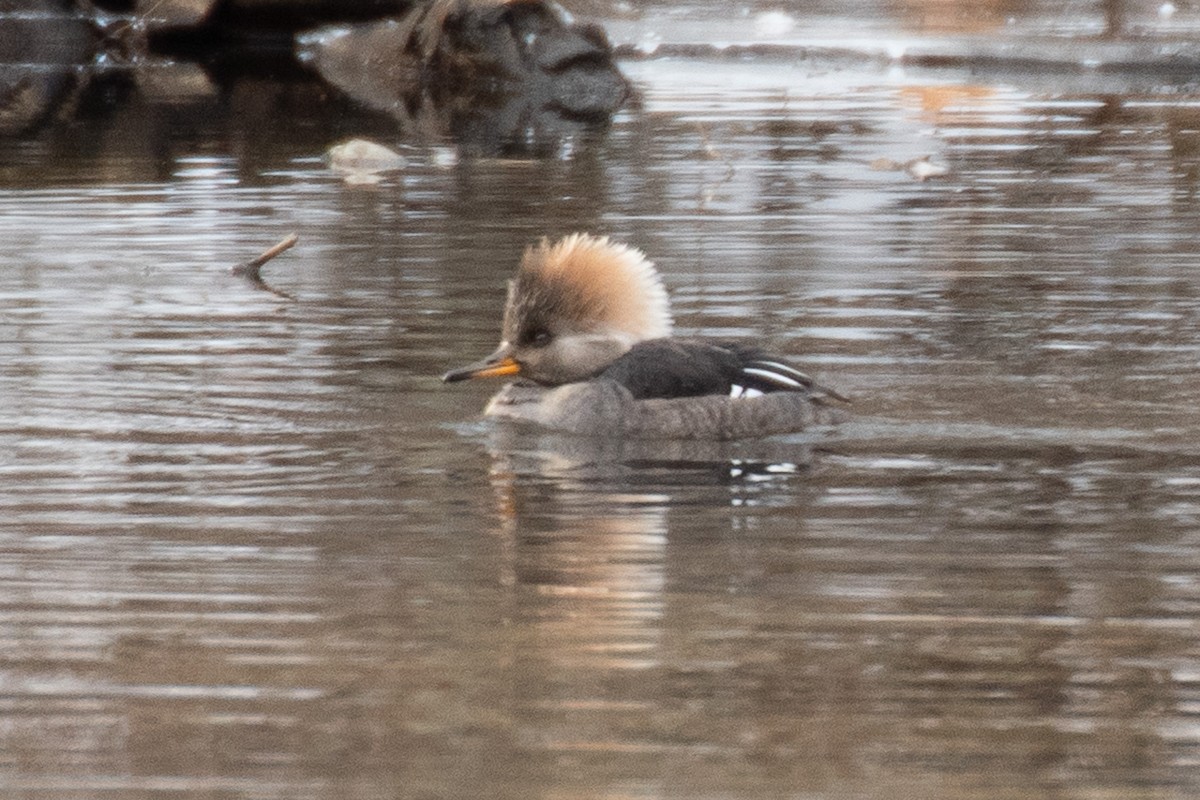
{"points": [[737, 390], [773, 377], [784, 369]]}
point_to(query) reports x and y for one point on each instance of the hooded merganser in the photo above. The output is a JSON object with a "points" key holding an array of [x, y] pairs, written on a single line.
{"points": [[587, 330]]}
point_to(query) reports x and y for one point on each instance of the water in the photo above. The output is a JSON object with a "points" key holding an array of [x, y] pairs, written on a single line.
{"points": [[251, 547]]}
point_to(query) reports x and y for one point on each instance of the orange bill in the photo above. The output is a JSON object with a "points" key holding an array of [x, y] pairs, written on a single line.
{"points": [[491, 367]]}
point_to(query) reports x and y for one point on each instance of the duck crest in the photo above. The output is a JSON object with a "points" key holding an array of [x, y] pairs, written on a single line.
{"points": [[588, 283]]}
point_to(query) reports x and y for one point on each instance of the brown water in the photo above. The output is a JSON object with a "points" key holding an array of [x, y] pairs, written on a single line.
{"points": [[251, 547]]}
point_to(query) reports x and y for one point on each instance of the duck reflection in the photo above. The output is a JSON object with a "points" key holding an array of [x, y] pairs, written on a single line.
{"points": [[593, 551], [586, 520], [655, 587]]}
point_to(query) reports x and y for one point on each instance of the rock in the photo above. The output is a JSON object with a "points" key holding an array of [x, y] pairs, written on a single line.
{"points": [[362, 161]]}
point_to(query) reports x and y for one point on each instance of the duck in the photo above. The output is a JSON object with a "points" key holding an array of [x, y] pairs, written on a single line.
{"points": [[587, 339]]}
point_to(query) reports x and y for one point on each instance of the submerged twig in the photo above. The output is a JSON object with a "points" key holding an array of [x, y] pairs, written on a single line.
{"points": [[252, 269]]}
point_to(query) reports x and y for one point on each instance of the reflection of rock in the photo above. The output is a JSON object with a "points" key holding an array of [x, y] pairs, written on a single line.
{"points": [[165, 14], [36, 57], [43, 46], [494, 75]]}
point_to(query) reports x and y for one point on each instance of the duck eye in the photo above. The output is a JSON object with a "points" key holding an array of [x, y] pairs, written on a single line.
{"points": [[540, 337]]}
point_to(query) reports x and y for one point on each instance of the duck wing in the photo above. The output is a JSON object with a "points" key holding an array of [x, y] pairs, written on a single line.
{"points": [[671, 368]]}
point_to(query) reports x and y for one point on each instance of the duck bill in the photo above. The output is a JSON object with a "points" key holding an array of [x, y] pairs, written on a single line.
{"points": [[498, 365]]}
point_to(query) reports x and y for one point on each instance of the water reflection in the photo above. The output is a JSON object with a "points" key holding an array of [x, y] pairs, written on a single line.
{"points": [[251, 547], [1005, 634]]}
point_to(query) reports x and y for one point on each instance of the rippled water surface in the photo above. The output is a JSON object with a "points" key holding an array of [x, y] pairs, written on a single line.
{"points": [[251, 547]]}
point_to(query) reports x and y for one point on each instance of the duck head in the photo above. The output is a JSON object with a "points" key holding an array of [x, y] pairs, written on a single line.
{"points": [[574, 307]]}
